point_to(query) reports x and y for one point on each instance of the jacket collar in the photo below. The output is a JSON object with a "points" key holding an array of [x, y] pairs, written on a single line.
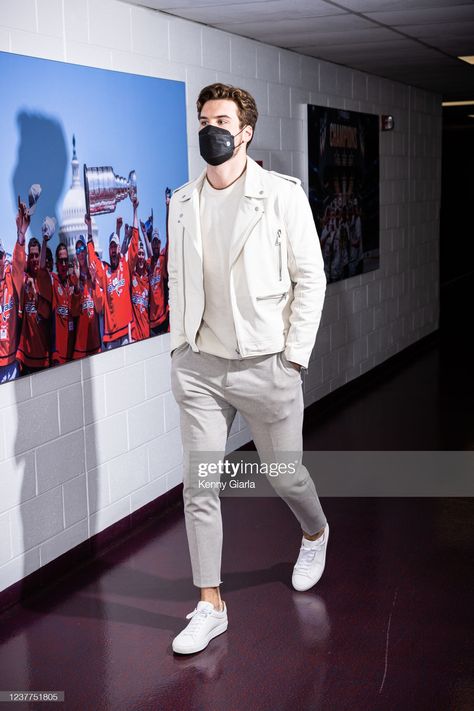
{"points": [[254, 187]]}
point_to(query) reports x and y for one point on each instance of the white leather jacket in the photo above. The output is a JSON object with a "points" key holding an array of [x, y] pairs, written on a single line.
{"points": [[276, 271]]}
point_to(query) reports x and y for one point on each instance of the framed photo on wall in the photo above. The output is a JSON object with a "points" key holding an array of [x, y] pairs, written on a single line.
{"points": [[64, 297], [343, 178]]}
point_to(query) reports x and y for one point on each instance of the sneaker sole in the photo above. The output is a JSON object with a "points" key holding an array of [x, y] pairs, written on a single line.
{"points": [[214, 633]]}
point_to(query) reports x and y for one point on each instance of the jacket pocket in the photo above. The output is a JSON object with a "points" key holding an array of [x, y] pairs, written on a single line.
{"points": [[280, 295]]}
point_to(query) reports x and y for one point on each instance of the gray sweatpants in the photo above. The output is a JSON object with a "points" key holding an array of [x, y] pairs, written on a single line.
{"points": [[267, 391]]}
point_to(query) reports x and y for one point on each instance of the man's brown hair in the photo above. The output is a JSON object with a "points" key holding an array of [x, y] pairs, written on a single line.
{"points": [[246, 106]]}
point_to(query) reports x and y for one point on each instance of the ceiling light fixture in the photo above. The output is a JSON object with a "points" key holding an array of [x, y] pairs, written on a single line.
{"points": [[457, 103]]}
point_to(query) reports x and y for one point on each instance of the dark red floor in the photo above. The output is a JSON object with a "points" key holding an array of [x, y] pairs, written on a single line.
{"points": [[388, 628]]}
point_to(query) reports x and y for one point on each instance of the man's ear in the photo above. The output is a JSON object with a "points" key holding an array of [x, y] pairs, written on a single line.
{"points": [[247, 133]]}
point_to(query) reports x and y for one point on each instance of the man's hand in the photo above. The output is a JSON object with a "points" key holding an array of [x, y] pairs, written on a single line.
{"points": [[296, 366], [93, 272], [88, 221], [22, 221], [76, 268]]}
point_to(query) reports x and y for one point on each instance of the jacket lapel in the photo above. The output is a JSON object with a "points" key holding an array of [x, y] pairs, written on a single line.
{"points": [[251, 208], [189, 218]]}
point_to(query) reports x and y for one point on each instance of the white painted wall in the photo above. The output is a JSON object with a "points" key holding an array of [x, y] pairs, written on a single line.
{"points": [[77, 453]]}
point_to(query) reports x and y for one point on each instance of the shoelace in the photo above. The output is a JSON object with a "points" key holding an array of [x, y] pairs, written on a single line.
{"points": [[305, 558], [197, 617]]}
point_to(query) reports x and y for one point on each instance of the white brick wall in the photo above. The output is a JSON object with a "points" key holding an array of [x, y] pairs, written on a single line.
{"points": [[77, 452]]}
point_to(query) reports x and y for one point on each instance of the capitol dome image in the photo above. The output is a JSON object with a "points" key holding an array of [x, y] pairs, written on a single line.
{"points": [[72, 224]]}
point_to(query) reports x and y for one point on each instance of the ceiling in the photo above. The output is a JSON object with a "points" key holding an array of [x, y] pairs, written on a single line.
{"points": [[413, 41]]}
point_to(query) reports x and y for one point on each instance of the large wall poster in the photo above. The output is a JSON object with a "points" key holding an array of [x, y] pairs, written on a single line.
{"points": [[343, 172], [58, 304]]}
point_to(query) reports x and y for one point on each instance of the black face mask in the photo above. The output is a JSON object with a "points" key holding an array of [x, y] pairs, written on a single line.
{"points": [[216, 144]]}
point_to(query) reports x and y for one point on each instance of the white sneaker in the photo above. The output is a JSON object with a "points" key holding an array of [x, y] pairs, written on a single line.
{"points": [[206, 623], [311, 561]]}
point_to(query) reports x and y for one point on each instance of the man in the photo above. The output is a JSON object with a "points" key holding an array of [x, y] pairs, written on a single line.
{"points": [[63, 294], [60, 294], [157, 266], [11, 280], [34, 346], [140, 297], [91, 303], [246, 284], [114, 280]]}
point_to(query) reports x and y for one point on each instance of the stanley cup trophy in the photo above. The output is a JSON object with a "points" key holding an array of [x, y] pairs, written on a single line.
{"points": [[104, 189]]}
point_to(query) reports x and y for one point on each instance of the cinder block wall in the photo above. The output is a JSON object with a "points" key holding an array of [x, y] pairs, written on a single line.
{"points": [[78, 452]]}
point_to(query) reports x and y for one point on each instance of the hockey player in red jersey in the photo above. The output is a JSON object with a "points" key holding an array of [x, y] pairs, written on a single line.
{"points": [[63, 294], [34, 346], [114, 280], [11, 285], [91, 304], [140, 297]]}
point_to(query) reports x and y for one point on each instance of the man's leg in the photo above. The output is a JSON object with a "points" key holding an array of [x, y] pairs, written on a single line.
{"points": [[206, 419], [276, 425], [273, 407]]}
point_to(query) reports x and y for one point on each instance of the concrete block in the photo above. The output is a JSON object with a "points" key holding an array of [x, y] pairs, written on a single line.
{"points": [[36, 520], [185, 42], [292, 137], [268, 63], [174, 477], [5, 542], [90, 56], [171, 412], [243, 57], [103, 362], [94, 399], [17, 481], [106, 439], [60, 460], [104, 518], [18, 568], [76, 20], [71, 413], [279, 100], [164, 453], [20, 15], [130, 63], [290, 68], [267, 133], [75, 500], [146, 421], [150, 33], [50, 17], [147, 493], [215, 49], [124, 388], [157, 375], [64, 541], [30, 424], [14, 392], [110, 24], [98, 489], [127, 473]]}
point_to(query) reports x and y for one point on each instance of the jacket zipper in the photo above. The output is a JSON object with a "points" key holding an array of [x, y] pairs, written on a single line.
{"points": [[278, 244], [249, 230]]}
